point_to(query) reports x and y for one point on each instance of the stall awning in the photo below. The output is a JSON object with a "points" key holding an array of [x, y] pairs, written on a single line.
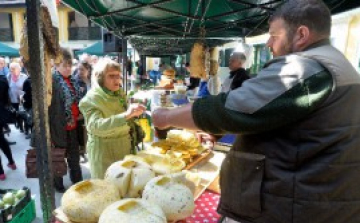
{"points": [[95, 49], [6, 50], [171, 26]]}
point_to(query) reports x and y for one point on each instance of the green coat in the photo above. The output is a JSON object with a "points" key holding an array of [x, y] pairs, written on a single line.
{"points": [[108, 131]]}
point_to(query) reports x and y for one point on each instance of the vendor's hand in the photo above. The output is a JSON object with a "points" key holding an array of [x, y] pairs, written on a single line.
{"points": [[135, 110], [159, 118]]}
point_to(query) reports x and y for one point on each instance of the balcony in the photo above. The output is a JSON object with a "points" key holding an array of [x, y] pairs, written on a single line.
{"points": [[6, 35], [84, 33]]}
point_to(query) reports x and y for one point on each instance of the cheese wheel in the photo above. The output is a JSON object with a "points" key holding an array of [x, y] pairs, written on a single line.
{"points": [[86, 200], [133, 210]]}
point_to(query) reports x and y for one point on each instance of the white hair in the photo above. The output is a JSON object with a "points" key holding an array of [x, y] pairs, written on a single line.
{"points": [[2, 59], [84, 57], [100, 69], [15, 64], [239, 56]]}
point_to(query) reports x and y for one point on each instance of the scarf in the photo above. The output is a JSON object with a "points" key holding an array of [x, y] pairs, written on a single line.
{"points": [[120, 94], [14, 77], [136, 132], [70, 96]]}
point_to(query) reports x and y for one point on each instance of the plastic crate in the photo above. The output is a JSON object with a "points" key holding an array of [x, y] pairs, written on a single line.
{"points": [[9, 213], [26, 215]]}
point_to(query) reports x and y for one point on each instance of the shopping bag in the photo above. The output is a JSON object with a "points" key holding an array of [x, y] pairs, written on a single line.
{"points": [[59, 165]]}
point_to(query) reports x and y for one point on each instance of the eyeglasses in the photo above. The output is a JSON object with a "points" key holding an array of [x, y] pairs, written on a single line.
{"points": [[114, 77]]}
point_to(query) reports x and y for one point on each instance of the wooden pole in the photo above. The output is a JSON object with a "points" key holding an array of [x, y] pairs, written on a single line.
{"points": [[40, 108]]}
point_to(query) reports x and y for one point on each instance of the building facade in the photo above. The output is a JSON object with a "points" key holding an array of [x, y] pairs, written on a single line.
{"points": [[75, 30]]}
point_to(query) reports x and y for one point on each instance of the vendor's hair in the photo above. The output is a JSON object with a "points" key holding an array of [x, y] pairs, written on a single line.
{"points": [[101, 68], [313, 14]]}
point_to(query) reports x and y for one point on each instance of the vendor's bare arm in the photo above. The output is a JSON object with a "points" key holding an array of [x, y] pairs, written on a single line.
{"points": [[178, 117]]}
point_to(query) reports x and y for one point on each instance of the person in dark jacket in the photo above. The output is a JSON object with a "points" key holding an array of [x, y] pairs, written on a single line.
{"points": [[4, 145], [83, 77], [27, 104], [292, 160], [237, 73], [63, 117]]}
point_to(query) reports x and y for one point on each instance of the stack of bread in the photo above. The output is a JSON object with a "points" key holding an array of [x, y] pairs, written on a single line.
{"points": [[180, 144]]}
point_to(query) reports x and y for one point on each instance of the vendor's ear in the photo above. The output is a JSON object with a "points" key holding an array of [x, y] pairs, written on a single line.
{"points": [[302, 38]]}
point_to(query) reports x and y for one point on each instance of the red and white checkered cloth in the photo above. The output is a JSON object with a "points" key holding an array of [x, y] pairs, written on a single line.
{"points": [[205, 209]]}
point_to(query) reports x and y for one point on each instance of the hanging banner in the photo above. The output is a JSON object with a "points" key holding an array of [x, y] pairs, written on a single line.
{"points": [[51, 5]]}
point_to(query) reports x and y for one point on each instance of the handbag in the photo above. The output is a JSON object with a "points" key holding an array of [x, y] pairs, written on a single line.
{"points": [[59, 165], [139, 133]]}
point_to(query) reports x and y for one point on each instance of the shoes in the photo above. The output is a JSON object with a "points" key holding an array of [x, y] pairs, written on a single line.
{"points": [[28, 136], [12, 166], [60, 189], [75, 176], [11, 143], [59, 185], [2, 177]]}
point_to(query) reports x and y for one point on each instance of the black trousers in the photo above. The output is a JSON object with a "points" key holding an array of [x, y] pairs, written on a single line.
{"points": [[4, 146], [19, 120], [73, 159]]}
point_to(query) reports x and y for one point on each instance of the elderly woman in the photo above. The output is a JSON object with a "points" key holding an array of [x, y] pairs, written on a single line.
{"points": [[16, 81], [108, 119]]}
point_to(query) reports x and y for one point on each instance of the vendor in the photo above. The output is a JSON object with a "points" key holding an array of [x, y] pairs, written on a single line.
{"points": [[292, 160], [108, 119]]}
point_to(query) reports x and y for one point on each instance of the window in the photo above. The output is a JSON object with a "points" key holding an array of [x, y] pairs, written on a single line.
{"points": [[261, 56]]}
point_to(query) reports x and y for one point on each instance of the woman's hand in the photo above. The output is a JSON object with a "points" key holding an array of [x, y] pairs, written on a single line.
{"points": [[135, 110]]}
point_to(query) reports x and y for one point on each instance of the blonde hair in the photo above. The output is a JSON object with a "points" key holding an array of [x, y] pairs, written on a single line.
{"points": [[100, 70]]}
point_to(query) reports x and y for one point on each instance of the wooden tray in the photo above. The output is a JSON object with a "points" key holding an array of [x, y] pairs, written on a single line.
{"points": [[202, 157]]}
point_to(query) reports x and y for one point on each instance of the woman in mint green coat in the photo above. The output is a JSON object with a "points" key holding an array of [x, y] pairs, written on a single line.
{"points": [[107, 118]]}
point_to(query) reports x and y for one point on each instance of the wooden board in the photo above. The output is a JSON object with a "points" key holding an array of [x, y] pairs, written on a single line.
{"points": [[214, 186], [208, 169], [207, 154]]}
